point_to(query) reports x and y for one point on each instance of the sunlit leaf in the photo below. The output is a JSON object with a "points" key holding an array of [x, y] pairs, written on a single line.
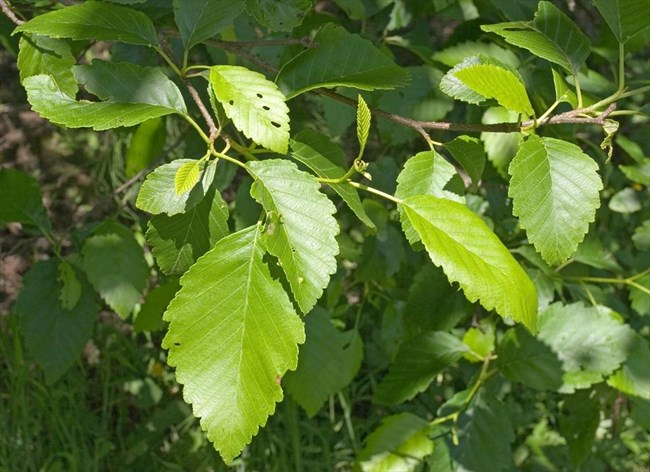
{"points": [[363, 123], [49, 56], [233, 334], [300, 230], [187, 176]]}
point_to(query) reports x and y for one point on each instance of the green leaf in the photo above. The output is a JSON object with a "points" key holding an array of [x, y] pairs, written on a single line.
{"points": [[492, 81], [145, 146], [639, 299], [341, 59], [480, 343], [401, 443], [328, 361], [485, 435], [20, 200], [178, 241], [71, 288], [254, 104], [300, 230], [641, 236], [555, 190], [327, 160], [469, 152], [426, 173], [233, 334], [187, 176], [551, 36], [626, 18], [158, 191], [625, 201], [634, 378], [115, 265], [43, 55], [278, 15], [469, 253], [199, 20], [53, 104], [458, 52], [363, 123], [500, 147], [589, 343], [124, 82], [639, 173], [95, 20], [562, 92], [419, 360], [578, 421], [455, 88], [54, 336], [521, 358], [150, 316]]}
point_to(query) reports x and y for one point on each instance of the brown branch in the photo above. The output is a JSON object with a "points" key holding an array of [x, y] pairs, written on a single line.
{"points": [[230, 45], [204, 111], [10, 14]]}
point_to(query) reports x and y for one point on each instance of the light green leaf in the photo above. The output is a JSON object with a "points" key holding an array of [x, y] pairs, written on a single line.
{"points": [[589, 343], [641, 236], [327, 160], [426, 173], [328, 361], [625, 201], [469, 253], [71, 288], [146, 145], [124, 82], [254, 104], [634, 376], [115, 265], [158, 191], [401, 443], [341, 60], [578, 421], [455, 88], [20, 200], [500, 147], [278, 15], [363, 123], [300, 230], [480, 343], [198, 20], [43, 55], [485, 435], [53, 104], [187, 176], [469, 152], [492, 81], [639, 172], [418, 361], [178, 241], [54, 336], [454, 54], [521, 358], [233, 334], [95, 20], [555, 190], [626, 18], [562, 92], [551, 36]]}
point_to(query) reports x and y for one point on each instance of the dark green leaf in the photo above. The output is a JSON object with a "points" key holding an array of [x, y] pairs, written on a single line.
{"points": [[146, 145], [150, 316], [626, 18], [470, 154], [418, 362], [278, 15], [322, 362], [54, 336], [199, 20], [115, 265], [579, 420], [178, 241], [634, 376], [341, 59], [20, 200], [327, 160], [95, 20]]}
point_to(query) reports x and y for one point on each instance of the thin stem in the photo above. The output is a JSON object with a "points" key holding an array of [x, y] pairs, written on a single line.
{"points": [[578, 90], [198, 129], [204, 112], [376, 192], [621, 67], [226, 157]]}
